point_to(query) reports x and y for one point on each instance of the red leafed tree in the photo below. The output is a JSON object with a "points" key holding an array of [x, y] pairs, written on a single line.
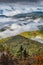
{"points": [[38, 60]]}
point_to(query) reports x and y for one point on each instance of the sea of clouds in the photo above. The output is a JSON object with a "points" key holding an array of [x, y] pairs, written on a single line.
{"points": [[15, 26]]}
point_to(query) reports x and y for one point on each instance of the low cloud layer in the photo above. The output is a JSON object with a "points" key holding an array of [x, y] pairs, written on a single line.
{"points": [[17, 28], [14, 26]]}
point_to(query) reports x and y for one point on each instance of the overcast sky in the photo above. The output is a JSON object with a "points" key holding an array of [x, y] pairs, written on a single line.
{"points": [[20, 0], [33, 2]]}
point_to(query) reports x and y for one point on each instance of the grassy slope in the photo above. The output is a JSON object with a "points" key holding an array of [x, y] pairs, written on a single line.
{"points": [[13, 44], [32, 34]]}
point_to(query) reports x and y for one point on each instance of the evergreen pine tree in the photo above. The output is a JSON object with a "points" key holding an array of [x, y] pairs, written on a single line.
{"points": [[25, 54]]}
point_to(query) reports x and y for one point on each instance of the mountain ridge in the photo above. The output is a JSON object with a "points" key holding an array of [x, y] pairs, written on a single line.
{"points": [[14, 43]]}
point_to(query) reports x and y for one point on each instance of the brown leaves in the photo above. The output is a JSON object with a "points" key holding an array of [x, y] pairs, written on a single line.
{"points": [[38, 60]]}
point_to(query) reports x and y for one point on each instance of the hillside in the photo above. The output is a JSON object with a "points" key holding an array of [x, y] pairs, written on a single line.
{"points": [[32, 34], [14, 43]]}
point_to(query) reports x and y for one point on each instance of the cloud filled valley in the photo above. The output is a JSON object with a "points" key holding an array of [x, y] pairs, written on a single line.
{"points": [[15, 19]]}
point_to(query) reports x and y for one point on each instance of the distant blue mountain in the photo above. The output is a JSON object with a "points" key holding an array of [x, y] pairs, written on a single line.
{"points": [[38, 12], [4, 16], [23, 15]]}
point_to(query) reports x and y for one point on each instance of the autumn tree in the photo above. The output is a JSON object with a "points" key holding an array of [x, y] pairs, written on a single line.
{"points": [[6, 58]]}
